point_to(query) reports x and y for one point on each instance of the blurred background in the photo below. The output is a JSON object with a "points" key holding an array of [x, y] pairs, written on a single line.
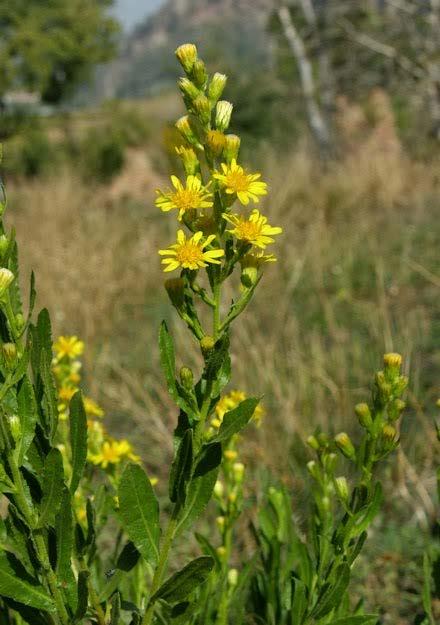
{"points": [[338, 103]]}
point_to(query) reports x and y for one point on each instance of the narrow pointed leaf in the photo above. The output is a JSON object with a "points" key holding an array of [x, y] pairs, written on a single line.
{"points": [[78, 439], [182, 583], [332, 597], [181, 468], [139, 511], [20, 590], [53, 486], [236, 419], [365, 619], [27, 410]]}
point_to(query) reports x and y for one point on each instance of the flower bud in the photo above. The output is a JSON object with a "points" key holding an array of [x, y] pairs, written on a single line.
{"points": [[230, 454], [395, 409], [175, 288], [216, 86], [326, 503], [392, 361], [189, 159], [4, 244], [223, 112], [238, 469], [219, 489], [6, 278], [344, 443], [202, 108], [232, 577], [313, 469], [312, 442], [232, 497], [216, 422], [9, 354], [341, 486], [15, 427], [249, 276], [184, 127], [323, 439], [216, 142], [389, 435], [364, 415], [187, 378], [207, 344], [232, 147], [187, 56], [19, 321], [188, 88], [199, 73], [329, 462], [221, 552], [220, 520]]}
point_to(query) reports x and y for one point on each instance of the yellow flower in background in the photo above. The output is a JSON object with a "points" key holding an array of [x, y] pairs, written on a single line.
{"points": [[191, 196], [92, 408], [68, 346], [113, 452], [254, 230], [190, 253], [229, 402], [66, 393], [235, 180]]}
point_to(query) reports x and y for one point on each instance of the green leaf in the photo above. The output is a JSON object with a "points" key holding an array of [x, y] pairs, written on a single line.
{"points": [[366, 515], [236, 419], [64, 539], [299, 603], [83, 596], [365, 619], [139, 511], [53, 485], [333, 594], [27, 410], [201, 485], [215, 361], [50, 403], [20, 590], [427, 581], [116, 610], [78, 439], [182, 583], [181, 468]]}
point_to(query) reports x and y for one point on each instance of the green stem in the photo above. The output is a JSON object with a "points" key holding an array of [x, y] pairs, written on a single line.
{"points": [[222, 617], [162, 564], [216, 310], [40, 544]]}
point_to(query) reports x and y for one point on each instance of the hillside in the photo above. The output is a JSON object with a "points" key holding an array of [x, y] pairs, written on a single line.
{"points": [[235, 28]]}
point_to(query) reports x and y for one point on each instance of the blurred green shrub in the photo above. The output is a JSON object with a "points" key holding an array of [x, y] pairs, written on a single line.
{"points": [[31, 154], [102, 154]]}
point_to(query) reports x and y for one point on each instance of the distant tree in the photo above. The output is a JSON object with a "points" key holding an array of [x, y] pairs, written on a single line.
{"points": [[51, 46]]}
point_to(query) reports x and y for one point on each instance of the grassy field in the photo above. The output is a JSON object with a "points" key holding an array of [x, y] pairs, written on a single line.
{"points": [[358, 274]]}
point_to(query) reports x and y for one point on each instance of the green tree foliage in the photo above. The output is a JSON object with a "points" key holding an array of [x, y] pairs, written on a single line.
{"points": [[51, 46]]}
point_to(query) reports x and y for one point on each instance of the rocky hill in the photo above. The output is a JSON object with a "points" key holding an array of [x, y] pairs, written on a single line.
{"points": [[226, 31]]}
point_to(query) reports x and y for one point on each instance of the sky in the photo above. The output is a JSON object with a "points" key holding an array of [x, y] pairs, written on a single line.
{"points": [[130, 12]]}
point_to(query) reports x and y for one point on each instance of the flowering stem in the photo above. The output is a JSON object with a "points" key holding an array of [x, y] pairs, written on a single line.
{"points": [[163, 560], [216, 311]]}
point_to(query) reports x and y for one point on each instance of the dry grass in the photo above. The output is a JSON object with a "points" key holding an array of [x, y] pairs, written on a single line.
{"points": [[358, 275]]}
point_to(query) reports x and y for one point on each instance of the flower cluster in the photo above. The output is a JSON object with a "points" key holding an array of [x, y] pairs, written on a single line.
{"points": [[214, 181], [103, 450]]}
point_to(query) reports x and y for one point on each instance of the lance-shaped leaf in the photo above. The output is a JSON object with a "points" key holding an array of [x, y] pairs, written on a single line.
{"points": [[21, 590], [78, 439], [50, 404], [64, 540], [167, 358], [83, 596], [181, 468], [27, 411], [181, 584], [53, 486], [236, 419], [332, 596], [201, 485], [116, 609], [139, 511]]}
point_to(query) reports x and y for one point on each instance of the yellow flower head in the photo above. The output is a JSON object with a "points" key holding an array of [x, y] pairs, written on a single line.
{"points": [[236, 181], [252, 260], [229, 402], [254, 230], [66, 393], [92, 409], [184, 198], [190, 253], [69, 346], [113, 452]]}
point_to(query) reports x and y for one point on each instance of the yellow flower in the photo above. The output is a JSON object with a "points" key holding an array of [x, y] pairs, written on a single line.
{"points": [[252, 260], [236, 181], [229, 402], [254, 230], [92, 409], [190, 253], [112, 452], [69, 346], [66, 393], [191, 196]]}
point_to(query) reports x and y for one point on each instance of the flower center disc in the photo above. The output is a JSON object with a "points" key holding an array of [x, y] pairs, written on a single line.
{"points": [[237, 181], [189, 254], [186, 199]]}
